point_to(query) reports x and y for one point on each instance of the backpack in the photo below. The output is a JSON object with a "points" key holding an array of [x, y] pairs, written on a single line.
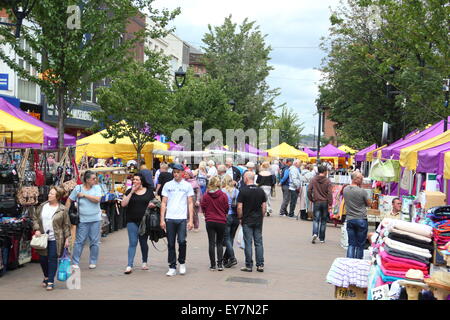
{"points": [[151, 225]]}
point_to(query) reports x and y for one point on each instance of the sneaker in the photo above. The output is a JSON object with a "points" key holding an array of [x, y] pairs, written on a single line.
{"points": [[314, 238], [260, 269], [171, 272], [245, 269], [212, 268], [75, 266], [231, 263], [220, 267], [144, 266], [322, 241], [182, 269], [92, 266], [282, 214], [128, 270]]}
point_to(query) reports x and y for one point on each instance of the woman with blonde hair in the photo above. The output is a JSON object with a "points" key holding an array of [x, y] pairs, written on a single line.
{"points": [[215, 207], [202, 176], [228, 187], [266, 180], [52, 218]]}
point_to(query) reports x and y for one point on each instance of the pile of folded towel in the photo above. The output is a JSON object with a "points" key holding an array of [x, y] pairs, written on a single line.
{"points": [[404, 246]]}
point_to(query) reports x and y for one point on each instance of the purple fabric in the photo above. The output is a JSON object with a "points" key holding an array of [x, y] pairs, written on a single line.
{"points": [[361, 155], [310, 152], [175, 147], [251, 149], [394, 149], [331, 151], [432, 160], [50, 133]]}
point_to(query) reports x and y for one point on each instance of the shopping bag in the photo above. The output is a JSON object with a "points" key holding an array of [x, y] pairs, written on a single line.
{"points": [[74, 281], [64, 266], [240, 239]]}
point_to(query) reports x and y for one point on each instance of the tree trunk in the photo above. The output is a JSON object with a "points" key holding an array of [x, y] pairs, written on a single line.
{"points": [[139, 151], [61, 118]]}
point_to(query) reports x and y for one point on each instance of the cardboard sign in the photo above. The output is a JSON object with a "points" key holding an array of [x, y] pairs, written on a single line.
{"points": [[381, 293], [350, 293]]}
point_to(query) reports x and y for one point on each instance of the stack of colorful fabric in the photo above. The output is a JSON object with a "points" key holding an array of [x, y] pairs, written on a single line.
{"points": [[439, 219], [345, 272], [404, 246]]}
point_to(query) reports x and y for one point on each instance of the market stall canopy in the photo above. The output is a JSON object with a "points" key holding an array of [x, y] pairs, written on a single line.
{"points": [[250, 149], [97, 146], [431, 160], [175, 147], [447, 166], [361, 155], [370, 154], [331, 151], [50, 133], [347, 149], [23, 132], [393, 151], [309, 152], [286, 151], [408, 156]]}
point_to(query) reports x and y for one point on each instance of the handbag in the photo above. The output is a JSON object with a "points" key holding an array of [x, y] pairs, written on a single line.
{"points": [[64, 266], [8, 173], [28, 196], [40, 181], [9, 206], [40, 242], [73, 212]]}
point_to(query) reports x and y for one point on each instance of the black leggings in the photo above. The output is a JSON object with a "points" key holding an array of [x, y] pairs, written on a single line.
{"points": [[216, 232]]}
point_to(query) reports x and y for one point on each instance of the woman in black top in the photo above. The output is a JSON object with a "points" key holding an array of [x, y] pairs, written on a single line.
{"points": [[266, 180], [137, 199]]}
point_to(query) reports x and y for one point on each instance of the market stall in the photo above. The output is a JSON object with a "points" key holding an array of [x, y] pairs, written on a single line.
{"points": [[333, 154], [22, 131], [284, 150]]}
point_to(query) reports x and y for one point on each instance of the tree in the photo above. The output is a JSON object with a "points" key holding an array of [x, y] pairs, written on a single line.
{"points": [[239, 58], [71, 59], [408, 48], [289, 126], [137, 105]]}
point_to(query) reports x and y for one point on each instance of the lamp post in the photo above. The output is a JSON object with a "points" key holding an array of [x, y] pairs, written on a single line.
{"points": [[446, 88], [180, 77], [319, 110], [20, 9], [232, 103]]}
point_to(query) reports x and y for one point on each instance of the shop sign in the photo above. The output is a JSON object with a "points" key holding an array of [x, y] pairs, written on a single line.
{"points": [[4, 79], [79, 116]]}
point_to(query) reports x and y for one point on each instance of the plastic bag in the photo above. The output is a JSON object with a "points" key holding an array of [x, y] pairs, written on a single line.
{"points": [[240, 239], [64, 266], [74, 281]]}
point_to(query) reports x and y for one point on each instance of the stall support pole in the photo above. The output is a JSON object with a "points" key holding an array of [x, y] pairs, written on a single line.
{"points": [[419, 182], [411, 182]]}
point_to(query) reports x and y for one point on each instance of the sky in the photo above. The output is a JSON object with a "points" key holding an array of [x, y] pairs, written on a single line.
{"points": [[293, 29]]}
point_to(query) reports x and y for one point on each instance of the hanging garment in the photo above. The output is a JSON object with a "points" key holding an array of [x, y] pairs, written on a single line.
{"points": [[388, 171]]}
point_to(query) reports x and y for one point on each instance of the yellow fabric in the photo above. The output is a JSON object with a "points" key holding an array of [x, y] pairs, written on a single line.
{"points": [[286, 151], [447, 166], [23, 132], [408, 156], [370, 155], [347, 149], [99, 147]]}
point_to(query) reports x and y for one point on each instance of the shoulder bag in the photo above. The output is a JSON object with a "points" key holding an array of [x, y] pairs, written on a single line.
{"points": [[8, 173], [74, 215], [39, 243]]}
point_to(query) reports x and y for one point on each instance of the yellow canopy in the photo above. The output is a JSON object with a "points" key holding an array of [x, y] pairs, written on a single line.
{"points": [[286, 151], [408, 156], [447, 166], [23, 132], [347, 149], [99, 147], [371, 154]]}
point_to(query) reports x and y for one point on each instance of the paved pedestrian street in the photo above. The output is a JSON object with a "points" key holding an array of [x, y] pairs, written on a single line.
{"points": [[295, 269]]}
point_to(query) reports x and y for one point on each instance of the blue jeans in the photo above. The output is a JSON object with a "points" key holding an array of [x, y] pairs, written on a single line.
{"points": [[253, 232], [357, 235], [320, 219], [133, 237], [230, 233], [176, 231], [49, 263], [85, 230], [294, 198]]}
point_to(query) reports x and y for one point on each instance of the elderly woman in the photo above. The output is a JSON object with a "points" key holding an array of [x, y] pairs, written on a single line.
{"points": [[212, 171], [266, 180], [52, 218]]}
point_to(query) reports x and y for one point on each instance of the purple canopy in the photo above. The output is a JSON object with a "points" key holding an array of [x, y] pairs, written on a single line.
{"points": [[251, 149], [331, 151], [310, 152], [361, 155], [430, 160], [50, 133], [393, 151], [175, 147]]}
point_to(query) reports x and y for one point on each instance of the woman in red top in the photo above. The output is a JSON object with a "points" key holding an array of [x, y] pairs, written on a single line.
{"points": [[215, 207]]}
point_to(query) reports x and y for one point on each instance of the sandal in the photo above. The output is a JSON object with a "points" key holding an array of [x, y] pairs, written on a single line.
{"points": [[50, 286], [44, 283]]}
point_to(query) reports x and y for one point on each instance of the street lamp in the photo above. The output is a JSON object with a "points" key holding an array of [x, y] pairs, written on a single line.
{"points": [[320, 109], [232, 103], [446, 88], [180, 77], [20, 9]]}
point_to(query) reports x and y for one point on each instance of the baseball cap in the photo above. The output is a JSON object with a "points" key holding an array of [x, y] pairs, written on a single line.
{"points": [[178, 166]]}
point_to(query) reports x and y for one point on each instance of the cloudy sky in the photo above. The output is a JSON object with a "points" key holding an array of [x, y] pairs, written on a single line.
{"points": [[293, 28]]}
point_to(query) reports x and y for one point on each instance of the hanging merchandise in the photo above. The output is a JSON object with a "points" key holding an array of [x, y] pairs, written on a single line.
{"points": [[8, 173], [405, 183], [40, 180], [388, 171], [28, 196]]}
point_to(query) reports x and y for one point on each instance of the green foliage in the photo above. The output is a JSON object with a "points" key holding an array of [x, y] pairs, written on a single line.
{"points": [[138, 99], [238, 56], [409, 48], [289, 125], [72, 61]]}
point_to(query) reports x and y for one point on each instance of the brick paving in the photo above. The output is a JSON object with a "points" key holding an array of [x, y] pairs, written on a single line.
{"points": [[295, 269]]}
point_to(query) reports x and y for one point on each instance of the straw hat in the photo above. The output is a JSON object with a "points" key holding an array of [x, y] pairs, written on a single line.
{"points": [[413, 277], [439, 279]]}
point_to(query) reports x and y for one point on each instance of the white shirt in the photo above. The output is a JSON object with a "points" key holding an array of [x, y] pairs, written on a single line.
{"points": [[47, 220], [177, 194], [230, 172], [212, 171], [274, 169]]}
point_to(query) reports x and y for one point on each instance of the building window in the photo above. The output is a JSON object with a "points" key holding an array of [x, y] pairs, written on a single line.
{"points": [[88, 94], [27, 90]]}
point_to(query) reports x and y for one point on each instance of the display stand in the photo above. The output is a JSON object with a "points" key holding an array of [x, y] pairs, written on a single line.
{"points": [[413, 291]]}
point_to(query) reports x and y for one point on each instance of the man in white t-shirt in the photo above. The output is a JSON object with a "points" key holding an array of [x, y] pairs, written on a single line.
{"points": [[177, 209]]}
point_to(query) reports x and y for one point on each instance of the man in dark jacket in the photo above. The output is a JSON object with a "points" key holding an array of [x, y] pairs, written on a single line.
{"points": [[284, 183], [232, 170], [321, 194]]}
